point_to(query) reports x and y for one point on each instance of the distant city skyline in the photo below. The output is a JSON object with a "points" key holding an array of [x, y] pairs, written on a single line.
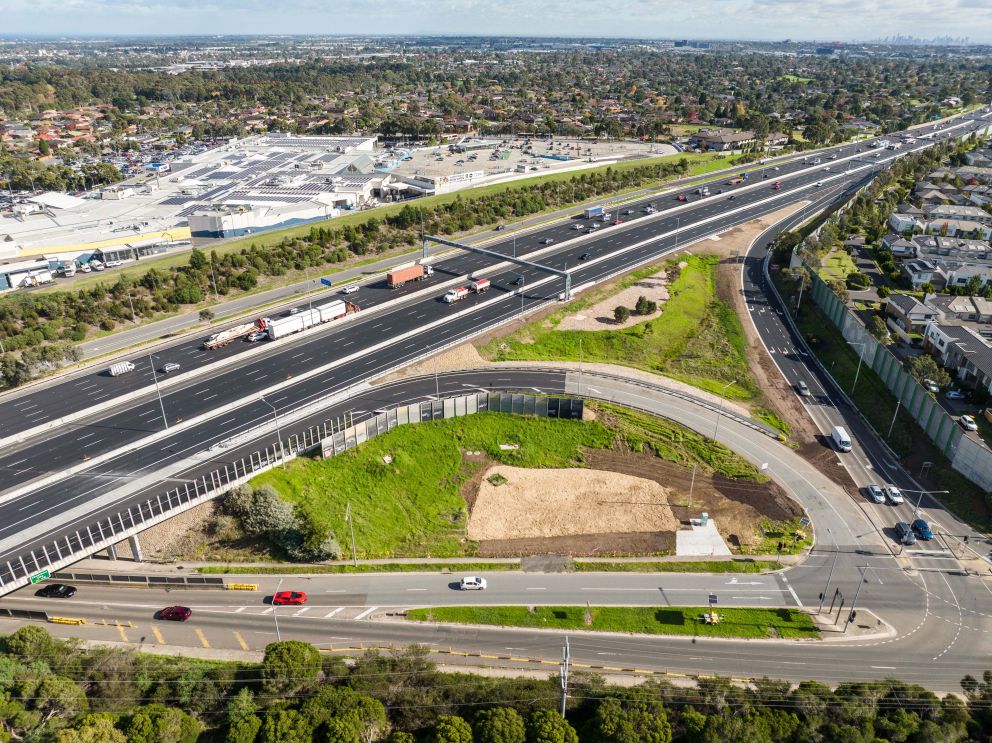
{"points": [[765, 20]]}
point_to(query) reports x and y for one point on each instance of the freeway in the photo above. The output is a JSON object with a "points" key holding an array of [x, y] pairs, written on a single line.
{"points": [[93, 390], [125, 462]]}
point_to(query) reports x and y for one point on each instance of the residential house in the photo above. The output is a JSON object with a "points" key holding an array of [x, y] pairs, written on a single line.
{"points": [[959, 213], [920, 272], [721, 141], [904, 223], [961, 309], [906, 315], [899, 246], [960, 228], [963, 351]]}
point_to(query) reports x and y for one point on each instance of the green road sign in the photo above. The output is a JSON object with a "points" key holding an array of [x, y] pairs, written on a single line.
{"points": [[39, 577]]}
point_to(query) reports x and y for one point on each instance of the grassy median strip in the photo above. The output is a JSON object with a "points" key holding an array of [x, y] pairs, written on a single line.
{"points": [[702, 566], [651, 620], [390, 567]]}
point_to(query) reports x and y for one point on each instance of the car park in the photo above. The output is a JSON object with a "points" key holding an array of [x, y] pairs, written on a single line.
{"points": [[894, 495], [289, 598], [922, 529], [904, 533], [175, 613], [56, 591], [875, 494], [472, 583], [968, 423]]}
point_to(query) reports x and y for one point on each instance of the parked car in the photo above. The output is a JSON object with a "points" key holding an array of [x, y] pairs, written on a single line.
{"points": [[170, 367], [473, 583], [175, 613], [894, 495], [289, 598], [875, 493], [56, 591], [905, 533], [931, 386], [956, 394], [922, 529]]}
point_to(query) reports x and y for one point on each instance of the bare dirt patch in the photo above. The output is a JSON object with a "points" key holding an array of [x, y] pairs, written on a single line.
{"points": [[567, 502], [600, 315]]}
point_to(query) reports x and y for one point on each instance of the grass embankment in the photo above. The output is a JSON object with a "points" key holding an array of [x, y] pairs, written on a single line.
{"points": [[698, 339], [391, 567], [703, 566], [651, 620], [837, 265], [412, 506], [878, 405]]}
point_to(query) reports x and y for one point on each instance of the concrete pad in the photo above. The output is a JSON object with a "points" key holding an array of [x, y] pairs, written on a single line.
{"points": [[700, 541]]}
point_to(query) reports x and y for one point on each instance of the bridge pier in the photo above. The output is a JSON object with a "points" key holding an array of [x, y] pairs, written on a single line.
{"points": [[135, 549], [112, 552]]}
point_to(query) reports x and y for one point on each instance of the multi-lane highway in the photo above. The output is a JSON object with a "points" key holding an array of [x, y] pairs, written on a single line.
{"points": [[120, 463]]}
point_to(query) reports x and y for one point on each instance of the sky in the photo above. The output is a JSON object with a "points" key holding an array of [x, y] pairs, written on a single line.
{"points": [[824, 20]]}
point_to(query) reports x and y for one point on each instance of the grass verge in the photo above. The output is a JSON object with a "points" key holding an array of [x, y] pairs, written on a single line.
{"points": [[837, 265], [651, 620], [698, 339], [391, 567], [702, 566]]}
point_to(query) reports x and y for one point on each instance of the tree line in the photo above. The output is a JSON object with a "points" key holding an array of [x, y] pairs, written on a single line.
{"points": [[53, 690], [38, 329]]}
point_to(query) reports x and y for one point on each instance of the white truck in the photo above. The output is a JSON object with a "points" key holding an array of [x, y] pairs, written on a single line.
{"points": [[121, 367], [308, 318], [456, 295], [840, 439], [479, 285]]}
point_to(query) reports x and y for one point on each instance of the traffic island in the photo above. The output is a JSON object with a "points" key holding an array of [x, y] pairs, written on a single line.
{"points": [[784, 623]]}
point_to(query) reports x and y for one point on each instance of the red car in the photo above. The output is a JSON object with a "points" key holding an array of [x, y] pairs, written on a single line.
{"points": [[289, 598], [175, 613], [680, 197]]}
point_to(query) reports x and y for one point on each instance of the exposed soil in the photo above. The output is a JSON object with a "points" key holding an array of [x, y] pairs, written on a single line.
{"points": [[633, 543], [600, 315], [543, 503]]}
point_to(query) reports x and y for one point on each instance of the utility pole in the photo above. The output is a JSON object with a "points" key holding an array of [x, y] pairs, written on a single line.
{"points": [[565, 659], [854, 604], [823, 595], [889, 434], [351, 523], [158, 391], [692, 484]]}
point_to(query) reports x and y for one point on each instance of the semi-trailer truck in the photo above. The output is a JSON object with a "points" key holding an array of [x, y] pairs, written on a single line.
{"points": [[222, 338], [308, 318], [417, 272], [593, 212], [479, 286]]}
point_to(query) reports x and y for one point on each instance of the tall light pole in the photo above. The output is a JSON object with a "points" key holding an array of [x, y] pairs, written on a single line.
{"points": [[282, 451], [275, 610], [523, 281], [719, 411], [158, 392], [921, 493], [861, 356]]}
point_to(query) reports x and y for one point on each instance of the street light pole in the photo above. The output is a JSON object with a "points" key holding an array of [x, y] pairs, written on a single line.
{"points": [[861, 356], [898, 403], [523, 282], [719, 411], [158, 391], [275, 413]]}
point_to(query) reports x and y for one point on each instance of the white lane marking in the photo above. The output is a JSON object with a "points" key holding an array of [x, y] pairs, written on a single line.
{"points": [[80, 438], [22, 461], [335, 590], [885, 668], [416, 589], [537, 589], [366, 612], [269, 610], [332, 612], [209, 398], [793, 592], [304, 610], [240, 609], [24, 508]]}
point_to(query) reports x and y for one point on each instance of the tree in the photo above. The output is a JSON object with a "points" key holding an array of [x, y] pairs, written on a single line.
{"points": [[883, 292], [44, 148], [878, 328], [400, 736], [32, 643], [924, 367], [197, 259], [282, 725], [858, 281], [451, 729], [645, 306], [206, 314], [289, 667], [92, 729], [547, 726], [499, 725], [621, 313], [632, 722], [243, 722]]}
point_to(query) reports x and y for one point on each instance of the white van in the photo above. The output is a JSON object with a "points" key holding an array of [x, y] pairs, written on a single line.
{"points": [[121, 368], [840, 438]]}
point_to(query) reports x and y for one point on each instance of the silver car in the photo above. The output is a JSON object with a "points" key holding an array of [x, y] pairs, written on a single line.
{"points": [[875, 494]]}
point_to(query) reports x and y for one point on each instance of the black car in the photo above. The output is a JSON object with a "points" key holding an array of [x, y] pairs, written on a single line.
{"points": [[56, 591], [518, 281], [585, 256]]}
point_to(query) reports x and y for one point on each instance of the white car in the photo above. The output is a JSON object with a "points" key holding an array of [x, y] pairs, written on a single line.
{"points": [[350, 289], [931, 386], [968, 423], [894, 495], [473, 583]]}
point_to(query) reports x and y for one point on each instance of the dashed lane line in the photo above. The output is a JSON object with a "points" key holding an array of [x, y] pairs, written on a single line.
{"points": [[241, 641], [203, 637]]}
